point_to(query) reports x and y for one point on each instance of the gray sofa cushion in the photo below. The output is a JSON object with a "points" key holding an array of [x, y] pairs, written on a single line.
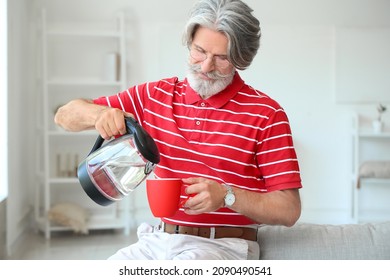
{"points": [[325, 242]]}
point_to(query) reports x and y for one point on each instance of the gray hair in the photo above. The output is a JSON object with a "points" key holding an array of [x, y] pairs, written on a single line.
{"points": [[234, 19]]}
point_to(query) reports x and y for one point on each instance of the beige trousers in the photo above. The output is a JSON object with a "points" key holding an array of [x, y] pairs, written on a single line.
{"points": [[153, 244]]}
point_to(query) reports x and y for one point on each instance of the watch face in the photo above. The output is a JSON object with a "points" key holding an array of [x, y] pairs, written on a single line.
{"points": [[230, 199]]}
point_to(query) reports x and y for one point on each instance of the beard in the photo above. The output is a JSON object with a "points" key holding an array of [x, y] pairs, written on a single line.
{"points": [[208, 88]]}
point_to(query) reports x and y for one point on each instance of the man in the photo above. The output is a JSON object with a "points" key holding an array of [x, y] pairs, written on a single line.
{"points": [[231, 144]]}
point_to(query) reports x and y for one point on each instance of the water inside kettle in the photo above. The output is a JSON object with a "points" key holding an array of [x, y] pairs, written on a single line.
{"points": [[125, 174], [117, 170]]}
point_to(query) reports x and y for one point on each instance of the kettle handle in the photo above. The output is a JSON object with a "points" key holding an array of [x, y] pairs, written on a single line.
{"points": [[98, 143], [100, 140], [142, 139]]}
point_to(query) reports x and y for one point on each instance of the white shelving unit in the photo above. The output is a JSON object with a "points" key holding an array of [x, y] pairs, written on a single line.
{"points": [[372, 197], [73, 66]]}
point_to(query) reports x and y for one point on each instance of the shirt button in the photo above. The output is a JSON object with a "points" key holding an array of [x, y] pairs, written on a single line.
{"points": [[197, 122], [202, 104]]}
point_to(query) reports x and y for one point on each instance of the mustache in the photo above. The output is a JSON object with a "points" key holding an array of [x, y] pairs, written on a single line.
{"points": [[215, 75]]}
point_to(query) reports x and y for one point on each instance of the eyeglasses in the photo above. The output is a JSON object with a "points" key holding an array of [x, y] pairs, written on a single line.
{"points": [[220, 61]]}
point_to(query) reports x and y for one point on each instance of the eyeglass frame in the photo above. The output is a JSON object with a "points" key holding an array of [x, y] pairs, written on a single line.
{"points": [[202, 56]]}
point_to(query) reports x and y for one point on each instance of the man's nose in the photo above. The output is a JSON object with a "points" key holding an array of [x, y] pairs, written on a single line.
{"points": [[208, 64]]}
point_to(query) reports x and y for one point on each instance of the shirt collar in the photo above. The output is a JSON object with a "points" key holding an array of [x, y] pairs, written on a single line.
{"points": [[218, 100]]}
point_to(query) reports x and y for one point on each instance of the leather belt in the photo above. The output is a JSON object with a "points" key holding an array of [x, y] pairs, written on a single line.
{"points": [[212, 232]]}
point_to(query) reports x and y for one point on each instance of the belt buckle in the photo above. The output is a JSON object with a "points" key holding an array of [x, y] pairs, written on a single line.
{"points": [[212, 233]]}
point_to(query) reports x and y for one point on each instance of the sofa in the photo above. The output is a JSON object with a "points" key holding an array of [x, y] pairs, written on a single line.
{"points": [[304, 241]]}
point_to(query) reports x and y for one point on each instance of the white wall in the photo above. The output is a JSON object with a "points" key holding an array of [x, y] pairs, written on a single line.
{"points": [[3, 234], [4, 97], [296, 65], [21, 94], [3, 126]]}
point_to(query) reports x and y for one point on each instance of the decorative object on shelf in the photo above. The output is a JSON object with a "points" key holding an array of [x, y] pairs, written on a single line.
{"points": [[378, 123], [67, 165], [374, 169], [70, 215], [111, 67]]}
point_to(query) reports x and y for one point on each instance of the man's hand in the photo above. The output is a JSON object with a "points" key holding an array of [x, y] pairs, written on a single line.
{"points": [[205, 195], [83, 114], [111, 122]]}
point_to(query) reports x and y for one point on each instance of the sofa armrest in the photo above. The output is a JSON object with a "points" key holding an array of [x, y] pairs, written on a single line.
{"points": [[325, 242]]}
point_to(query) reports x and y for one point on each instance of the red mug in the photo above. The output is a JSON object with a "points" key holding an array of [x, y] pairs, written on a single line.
{"points": [[163, 196]]}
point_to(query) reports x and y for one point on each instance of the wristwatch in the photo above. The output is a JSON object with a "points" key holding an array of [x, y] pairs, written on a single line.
{"points": [[230, 198]]}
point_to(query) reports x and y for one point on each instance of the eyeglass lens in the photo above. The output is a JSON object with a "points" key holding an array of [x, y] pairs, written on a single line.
{"points": [[198, 55]]}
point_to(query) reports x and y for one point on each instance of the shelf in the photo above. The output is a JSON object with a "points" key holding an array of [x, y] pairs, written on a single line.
{"points": [[104, 222], [370, 201], [62, 132], [369, 134], [72, 55], [83, 82], [84, 33], [369, 218], [58, 180], [377, 181], [94, 223]]}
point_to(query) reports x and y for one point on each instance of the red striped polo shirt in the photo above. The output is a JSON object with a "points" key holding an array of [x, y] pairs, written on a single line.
{"points": [[240, 137]]}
